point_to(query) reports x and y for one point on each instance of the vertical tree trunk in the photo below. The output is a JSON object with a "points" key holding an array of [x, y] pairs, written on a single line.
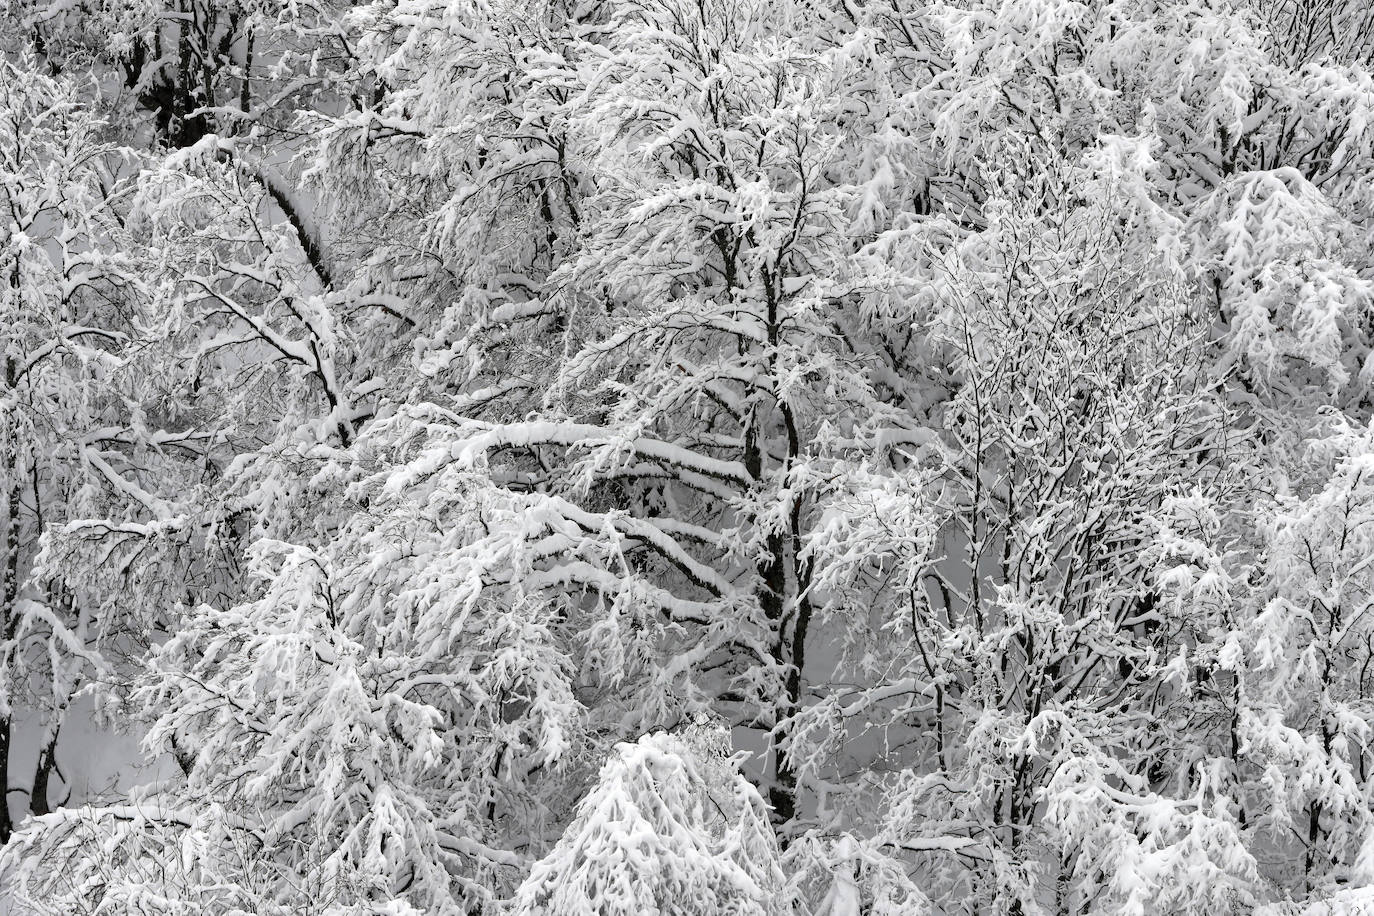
{"points": [[9, 594], [39, 803], [783, 788], [785, 584]]}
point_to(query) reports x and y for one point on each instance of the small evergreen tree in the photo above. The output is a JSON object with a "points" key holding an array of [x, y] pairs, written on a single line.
{"points": [[670, 829]]}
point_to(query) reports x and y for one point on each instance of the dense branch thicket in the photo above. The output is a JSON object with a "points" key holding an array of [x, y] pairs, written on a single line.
{"points": [[584, 457]]}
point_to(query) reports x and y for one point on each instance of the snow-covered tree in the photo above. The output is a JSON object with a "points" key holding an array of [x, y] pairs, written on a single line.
{"points": [[669, 828], [967, 404], [83, 432]]}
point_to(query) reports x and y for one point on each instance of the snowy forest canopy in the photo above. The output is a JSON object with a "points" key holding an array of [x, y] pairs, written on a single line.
{"points": [[687, 457]]}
